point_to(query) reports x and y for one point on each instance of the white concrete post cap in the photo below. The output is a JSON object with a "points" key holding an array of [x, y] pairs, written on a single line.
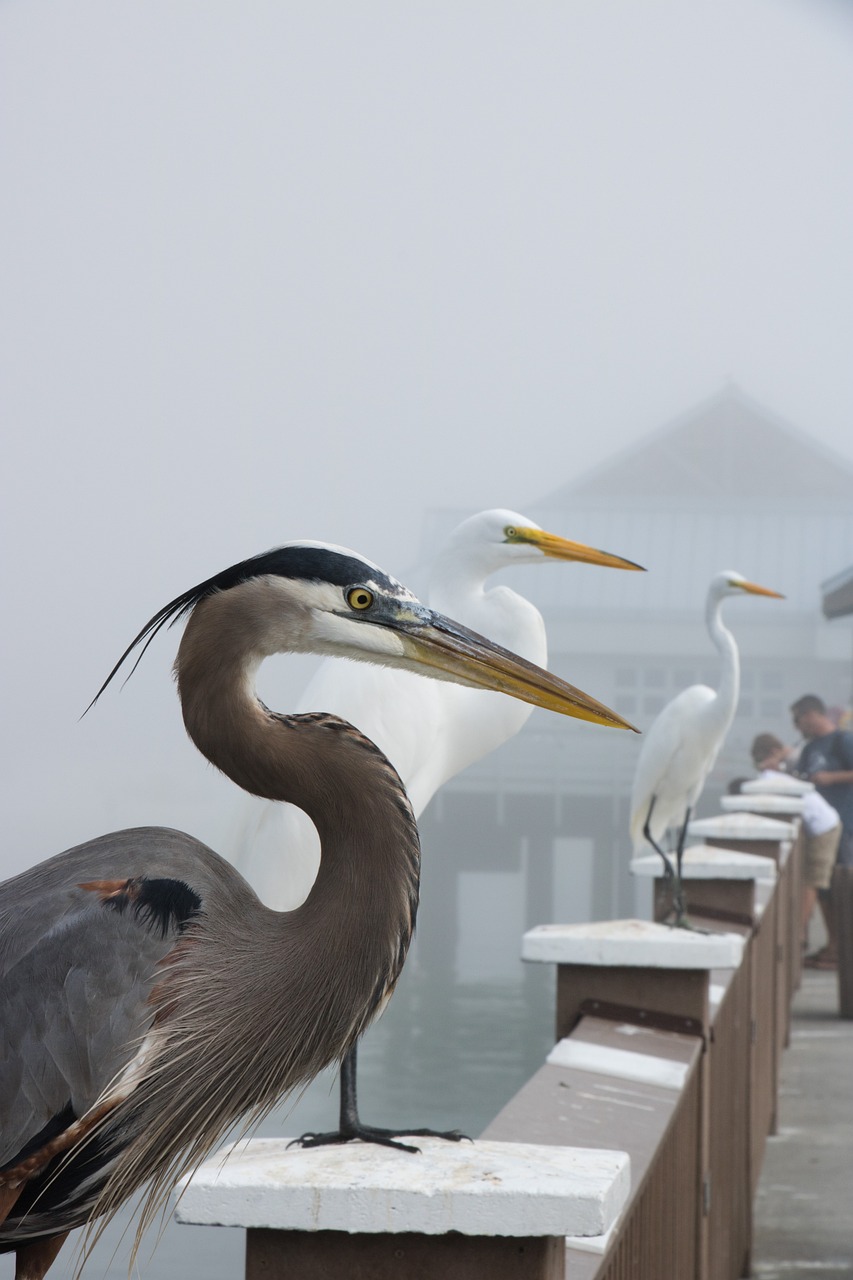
{"points": [[741, 826], [710, 862], [476, 1188], [634, 943], [762, 803], [780, 786]]}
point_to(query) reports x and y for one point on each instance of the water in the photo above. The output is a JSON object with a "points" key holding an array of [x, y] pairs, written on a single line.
{"points": [[447, 1055]]}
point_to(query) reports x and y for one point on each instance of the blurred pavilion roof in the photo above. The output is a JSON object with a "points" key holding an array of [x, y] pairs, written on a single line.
{"points": [[727, 485], [731, 448]]}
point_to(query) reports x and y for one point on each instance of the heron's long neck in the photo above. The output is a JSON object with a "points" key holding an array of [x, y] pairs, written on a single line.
{"points": [[724, 706]]}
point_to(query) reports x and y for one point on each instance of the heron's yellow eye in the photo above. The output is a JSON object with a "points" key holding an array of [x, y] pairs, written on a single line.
{"points": [[510, 532], [359, 598]]}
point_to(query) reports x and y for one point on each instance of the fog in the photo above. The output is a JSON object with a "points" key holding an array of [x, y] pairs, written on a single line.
{"points": [[275, 270]]}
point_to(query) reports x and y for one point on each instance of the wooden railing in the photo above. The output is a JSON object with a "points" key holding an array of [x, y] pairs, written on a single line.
{"points": [[696, 1152], [667, 1047]]}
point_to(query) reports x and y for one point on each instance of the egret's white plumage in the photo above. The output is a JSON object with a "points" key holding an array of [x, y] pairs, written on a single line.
{"points": [[679, 750], [430, 731]]}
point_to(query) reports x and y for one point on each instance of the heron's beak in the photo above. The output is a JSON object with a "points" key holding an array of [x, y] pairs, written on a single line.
{"points": [[754, 590], [452, 652], [562, 549]]}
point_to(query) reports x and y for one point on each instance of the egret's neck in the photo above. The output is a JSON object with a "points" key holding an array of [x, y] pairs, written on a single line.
{"points": [[458, 588], [728, 691], [459, 581]]}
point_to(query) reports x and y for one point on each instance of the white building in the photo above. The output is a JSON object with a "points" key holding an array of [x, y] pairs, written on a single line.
{"points": [[538, 830]]}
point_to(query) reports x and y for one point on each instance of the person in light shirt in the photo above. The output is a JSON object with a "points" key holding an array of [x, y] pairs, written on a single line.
{"points": [[822, 829]]}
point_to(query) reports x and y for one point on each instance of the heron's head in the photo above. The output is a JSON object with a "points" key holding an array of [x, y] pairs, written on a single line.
{"points": [[500, 537], [729, 583], [313, 597]]}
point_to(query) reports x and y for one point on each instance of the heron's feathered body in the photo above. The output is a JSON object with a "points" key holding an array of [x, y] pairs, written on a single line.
{"points": [[150, 997], [150, 1001]]}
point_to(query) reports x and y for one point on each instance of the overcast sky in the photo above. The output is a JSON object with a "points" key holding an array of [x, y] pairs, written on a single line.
{"points": [[277, 270]]}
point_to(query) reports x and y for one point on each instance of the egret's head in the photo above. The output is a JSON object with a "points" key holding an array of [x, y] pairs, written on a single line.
{"points": [[729, 583], [503, 537]]}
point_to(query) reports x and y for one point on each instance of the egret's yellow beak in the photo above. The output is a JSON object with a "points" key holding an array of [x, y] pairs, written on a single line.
{"points": [[450, 651], [562, 549], [754, 590]]}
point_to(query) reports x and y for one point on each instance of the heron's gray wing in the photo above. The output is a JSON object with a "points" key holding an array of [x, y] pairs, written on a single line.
{"points": [[74, 1002]]}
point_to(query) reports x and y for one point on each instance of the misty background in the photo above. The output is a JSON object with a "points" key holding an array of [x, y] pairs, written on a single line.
{"points": [[352, 272]]}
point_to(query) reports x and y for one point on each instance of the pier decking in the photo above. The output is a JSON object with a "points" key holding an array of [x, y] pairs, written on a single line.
{"points": [[804, 1206]]}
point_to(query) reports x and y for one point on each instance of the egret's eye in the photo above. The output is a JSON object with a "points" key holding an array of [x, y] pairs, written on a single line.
{"points": [[359, 598], [510, 531]]}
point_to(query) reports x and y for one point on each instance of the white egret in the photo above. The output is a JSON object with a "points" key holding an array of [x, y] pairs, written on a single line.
{"points": [[679, 750], [429, 731]]}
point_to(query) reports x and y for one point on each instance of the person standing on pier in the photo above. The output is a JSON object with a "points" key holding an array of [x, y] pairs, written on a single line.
{"points": [[826, 759], [822, 829]]}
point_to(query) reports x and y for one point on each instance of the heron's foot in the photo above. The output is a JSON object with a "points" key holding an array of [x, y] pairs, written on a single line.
{"points": [[365, 1133], [379, 1137]]}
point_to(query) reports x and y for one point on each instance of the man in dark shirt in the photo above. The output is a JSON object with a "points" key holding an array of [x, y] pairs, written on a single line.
{"points": [[827, 761]]}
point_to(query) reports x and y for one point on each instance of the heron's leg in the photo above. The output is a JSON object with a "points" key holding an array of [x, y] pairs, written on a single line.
{"points": [[32, 1261], [351, 1129]]}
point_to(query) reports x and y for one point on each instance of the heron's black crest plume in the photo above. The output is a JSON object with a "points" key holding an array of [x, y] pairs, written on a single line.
{"points": [[315, 563]]}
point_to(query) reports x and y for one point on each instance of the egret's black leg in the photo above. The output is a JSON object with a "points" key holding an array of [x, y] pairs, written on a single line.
{"points": [[669, 870], [678, 899], [351, 1129], [673, 874]]}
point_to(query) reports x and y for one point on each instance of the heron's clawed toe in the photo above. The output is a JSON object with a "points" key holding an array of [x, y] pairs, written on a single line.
{"points": [[363, 1133], [379, 1137], [449, 1135]]}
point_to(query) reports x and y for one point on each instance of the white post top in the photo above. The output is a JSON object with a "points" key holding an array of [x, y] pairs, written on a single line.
{"points": [[762, 803], [476, 1188], [780, 784], [708, 862], [741, 826], [634, 943]]}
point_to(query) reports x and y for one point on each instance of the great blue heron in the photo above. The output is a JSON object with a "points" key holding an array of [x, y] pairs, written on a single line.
{"points": [[429, 731], [679, 750], [149, 999]]}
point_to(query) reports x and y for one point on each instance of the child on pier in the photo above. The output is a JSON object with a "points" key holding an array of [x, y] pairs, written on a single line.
{"points": [[822, 828]]}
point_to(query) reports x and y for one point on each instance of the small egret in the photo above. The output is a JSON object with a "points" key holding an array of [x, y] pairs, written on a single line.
{"points": [[679, 750]]}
